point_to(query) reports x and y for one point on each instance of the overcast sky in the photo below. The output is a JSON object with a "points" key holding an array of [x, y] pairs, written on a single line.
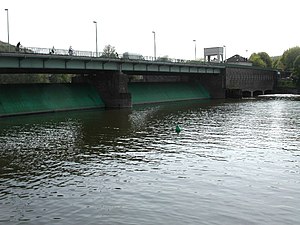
{"points": [[243, 27]]}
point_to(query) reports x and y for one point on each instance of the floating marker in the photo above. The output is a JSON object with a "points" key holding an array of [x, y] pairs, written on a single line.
{"points": [[178, 129]]}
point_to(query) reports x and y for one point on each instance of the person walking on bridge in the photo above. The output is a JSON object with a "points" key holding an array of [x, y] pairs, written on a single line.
{"points": [[52, 51], [70, 50], [18, 47]]}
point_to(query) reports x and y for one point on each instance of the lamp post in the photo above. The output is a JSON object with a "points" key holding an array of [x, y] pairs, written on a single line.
{"points": [[7, 29], [195, 49], [154, 44], [95, 22], [224, 46]]}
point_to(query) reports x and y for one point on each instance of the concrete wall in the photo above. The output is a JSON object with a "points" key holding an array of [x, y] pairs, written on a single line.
{"points": [[214, 84], [111, 86], [166, 92]]}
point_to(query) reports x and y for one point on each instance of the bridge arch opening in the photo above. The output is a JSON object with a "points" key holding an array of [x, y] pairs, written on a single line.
{"points": [[247, 94], [257, 93]]}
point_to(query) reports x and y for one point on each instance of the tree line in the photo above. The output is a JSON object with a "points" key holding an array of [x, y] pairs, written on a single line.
{"points": [[288, 62]]}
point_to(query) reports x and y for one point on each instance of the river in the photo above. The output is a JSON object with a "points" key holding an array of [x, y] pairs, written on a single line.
{"points": [[234, 162]]}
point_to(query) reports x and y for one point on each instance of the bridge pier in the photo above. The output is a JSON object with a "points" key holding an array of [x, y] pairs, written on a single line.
{"points": [[112, 87], [247, 93], [234, 93], [213, 83]]}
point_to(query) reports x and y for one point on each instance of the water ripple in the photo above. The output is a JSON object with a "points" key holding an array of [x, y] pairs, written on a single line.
{"points": [[232, 163]]}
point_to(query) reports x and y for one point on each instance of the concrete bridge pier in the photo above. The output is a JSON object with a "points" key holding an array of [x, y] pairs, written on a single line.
{"points": [[112, 87], [251, 94], [214, 84]]}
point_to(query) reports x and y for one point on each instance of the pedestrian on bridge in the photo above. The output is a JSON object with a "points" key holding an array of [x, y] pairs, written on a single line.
{"points": [[70, 50], [52, 51], [18, 47]]}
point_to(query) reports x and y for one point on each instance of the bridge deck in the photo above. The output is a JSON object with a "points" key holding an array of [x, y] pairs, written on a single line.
{"points": [[45, 63]]}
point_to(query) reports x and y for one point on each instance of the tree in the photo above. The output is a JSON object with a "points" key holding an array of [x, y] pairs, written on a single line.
{"points": [[266, 58], [109, 52], [261, 59], [296, 72], [23, 78], [277, 63], [289, 56], [297, 65], [257, 61], [60, 78]]}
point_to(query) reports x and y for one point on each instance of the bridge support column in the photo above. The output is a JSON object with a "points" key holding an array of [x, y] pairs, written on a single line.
{"points": [[214, 84], [112, 87]]}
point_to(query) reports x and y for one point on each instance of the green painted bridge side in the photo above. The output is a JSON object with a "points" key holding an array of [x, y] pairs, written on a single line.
{"points": [[165, 92], [36, 98], [18, 99]]}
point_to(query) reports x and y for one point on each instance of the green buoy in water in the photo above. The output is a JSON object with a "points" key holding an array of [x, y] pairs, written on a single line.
{"points": [[178, 129]]}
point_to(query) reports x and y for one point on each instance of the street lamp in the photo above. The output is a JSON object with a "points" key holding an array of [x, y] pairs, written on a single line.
{"points": [[7, 29], [95, 22], [154, 45], [224, 46], [195, 49]]}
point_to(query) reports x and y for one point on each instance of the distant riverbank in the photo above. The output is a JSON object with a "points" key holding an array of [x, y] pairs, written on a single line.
{"points": [[287, 91]]}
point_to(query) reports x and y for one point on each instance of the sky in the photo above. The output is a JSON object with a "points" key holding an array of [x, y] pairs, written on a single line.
{"points": [[244, 27]]}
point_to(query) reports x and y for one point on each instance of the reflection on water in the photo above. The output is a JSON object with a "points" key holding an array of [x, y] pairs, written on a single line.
{"points": [[233, 163]]}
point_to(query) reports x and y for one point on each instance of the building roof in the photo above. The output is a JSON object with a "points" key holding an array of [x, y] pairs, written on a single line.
{"points": [[237, 59]]}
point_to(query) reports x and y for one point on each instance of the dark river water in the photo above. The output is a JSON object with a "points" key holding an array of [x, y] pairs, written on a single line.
{"points": [[234, 162]]}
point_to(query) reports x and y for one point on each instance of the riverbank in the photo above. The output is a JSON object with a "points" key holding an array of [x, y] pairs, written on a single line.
{"points": [[285, 90]]}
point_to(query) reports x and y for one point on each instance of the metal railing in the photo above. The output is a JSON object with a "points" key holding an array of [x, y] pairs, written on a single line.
{"points": [[91, 54]]}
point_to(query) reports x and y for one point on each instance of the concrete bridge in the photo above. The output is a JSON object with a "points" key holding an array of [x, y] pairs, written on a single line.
{"points": [[112, 76]]}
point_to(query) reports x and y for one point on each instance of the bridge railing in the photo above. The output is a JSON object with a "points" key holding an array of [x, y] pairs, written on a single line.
{"points": [[52, 51], [91, 54], [36, 50]]}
